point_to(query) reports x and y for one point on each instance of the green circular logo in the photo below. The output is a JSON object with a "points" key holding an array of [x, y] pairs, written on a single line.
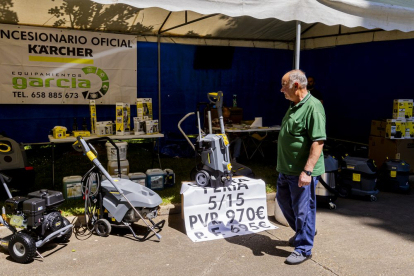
{"points": [[105, 83]]}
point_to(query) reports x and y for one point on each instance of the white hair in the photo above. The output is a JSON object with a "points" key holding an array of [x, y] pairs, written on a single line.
{"points": [[299, 77]]}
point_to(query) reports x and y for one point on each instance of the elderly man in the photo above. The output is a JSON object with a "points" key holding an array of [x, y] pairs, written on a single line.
{"points": [[300, 162]]}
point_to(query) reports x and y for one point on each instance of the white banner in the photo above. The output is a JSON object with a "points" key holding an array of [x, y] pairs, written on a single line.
{"points": [[56, 66], [225, 212]]}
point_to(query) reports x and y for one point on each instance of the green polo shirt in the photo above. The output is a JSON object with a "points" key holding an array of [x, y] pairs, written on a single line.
{"points": [[303, 124]]}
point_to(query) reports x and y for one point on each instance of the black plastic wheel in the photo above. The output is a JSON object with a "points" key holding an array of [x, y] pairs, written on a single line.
{"points": [[22, 248], [373, 198], [344, 191], [195, 170], [102, 228], [65, 238], [202, 178]]}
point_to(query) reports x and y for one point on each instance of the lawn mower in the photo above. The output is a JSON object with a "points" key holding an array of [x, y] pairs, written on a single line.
{"points": [[117, 201], [39, 220], [215, 167]]}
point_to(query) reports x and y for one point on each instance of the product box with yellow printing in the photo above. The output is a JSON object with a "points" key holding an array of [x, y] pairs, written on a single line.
{"points": [[403, 108], [123, 112], [151, 127], [409, 128], [83, 133], [59, 132], [144, 108], [395, 129], [104, 128], [92, 109], [139, 126]]}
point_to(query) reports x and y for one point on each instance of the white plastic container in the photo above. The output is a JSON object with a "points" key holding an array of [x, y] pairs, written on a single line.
{"points": [[113, 167], [138, 177], [111, 151]]}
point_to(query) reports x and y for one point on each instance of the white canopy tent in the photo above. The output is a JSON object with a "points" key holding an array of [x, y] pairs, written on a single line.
{"points": [[385, 14], [240, 23], [254, 23]]}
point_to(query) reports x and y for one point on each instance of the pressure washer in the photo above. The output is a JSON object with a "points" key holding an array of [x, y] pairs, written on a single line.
{"points": [[39, 220], [117, 201], [215, 167]]}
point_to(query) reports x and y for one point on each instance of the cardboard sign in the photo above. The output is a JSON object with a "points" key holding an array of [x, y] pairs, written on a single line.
{"points": [[216, 213]]}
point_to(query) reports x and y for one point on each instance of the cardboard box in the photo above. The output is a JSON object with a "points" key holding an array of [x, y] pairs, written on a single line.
{"points": [[92, 109], [123, 112], [144, 108], [403, 109], [104, 128], [83, 133], [381, 148], [378, 128], [395, 129], [409, 128], [151, 127], [59, 132], [139, 126]]}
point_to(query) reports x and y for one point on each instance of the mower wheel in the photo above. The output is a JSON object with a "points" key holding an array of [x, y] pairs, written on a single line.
{"points": [[202, 178], [22, 248], [102, 228], [65, 238]]}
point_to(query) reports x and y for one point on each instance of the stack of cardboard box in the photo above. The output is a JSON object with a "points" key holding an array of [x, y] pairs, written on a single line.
{"points": [[393, 138]]}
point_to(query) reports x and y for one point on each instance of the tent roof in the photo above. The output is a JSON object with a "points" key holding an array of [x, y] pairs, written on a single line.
{"points": [[207, 22], [385, 14]]}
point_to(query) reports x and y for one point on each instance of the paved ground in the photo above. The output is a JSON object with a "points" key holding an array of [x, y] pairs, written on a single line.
{"points": [[358, 238]]}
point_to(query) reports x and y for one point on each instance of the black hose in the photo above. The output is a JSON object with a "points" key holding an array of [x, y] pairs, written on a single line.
{"points": [[92, 203]]}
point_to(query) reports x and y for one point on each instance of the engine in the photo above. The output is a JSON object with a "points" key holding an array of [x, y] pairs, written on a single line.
{"points": [[36, 212]]}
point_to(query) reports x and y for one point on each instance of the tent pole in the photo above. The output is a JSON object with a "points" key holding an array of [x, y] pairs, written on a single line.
{"points": [[297, 45], [159, 82]]}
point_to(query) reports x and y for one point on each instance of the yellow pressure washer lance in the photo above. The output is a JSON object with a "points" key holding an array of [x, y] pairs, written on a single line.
{"points": [[91, 154]]}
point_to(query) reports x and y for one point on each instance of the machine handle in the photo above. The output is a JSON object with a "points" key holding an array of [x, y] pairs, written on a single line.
{"points": [[5, 177], [81, 146], [217, 99]]}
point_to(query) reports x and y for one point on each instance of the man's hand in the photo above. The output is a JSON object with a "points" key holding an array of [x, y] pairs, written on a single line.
{"points": [[304, 179]]}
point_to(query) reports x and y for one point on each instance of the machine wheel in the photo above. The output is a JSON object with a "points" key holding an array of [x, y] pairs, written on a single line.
{"points": [[65, 238], [332, 206], [202, 178], [195, 170], [22, 248], [102, 228], [344, 191], [373, 198]]}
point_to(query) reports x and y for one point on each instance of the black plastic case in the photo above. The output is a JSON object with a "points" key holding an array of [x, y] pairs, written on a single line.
{"points": [[34, 208], [51, 198]]}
